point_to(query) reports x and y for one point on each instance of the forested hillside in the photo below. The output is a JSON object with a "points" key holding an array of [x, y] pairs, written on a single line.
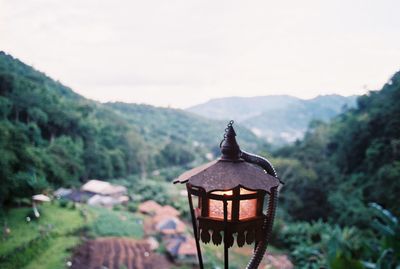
{"points": [[345, 164], [51, 136], [160, 126], [345, 173]]}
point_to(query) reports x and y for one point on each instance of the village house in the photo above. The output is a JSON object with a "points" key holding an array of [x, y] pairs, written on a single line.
{"points": [[170, 226], [62, 192], [149, 207], [181, 249], [153, 208], [95, 192], [169, 211], [164, 219], [164, 224], [103, 188], [104, 193]]}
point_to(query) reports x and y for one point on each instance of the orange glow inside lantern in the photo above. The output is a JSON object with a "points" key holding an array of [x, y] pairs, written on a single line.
{"points": [[216, 207], [247, 207]]}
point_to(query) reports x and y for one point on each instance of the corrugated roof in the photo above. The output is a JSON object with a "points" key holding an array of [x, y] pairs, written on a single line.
{"points": [[41, 198], [60, 192], [102, 187]]}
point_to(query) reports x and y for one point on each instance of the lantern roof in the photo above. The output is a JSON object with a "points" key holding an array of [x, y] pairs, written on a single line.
{"points": [[226, 175], [229, 171]]}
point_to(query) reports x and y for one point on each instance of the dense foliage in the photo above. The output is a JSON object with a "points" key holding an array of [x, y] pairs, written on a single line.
{"points": [[328, 245], [338, 207], [51, 136], [333, 174], [343, 165]]}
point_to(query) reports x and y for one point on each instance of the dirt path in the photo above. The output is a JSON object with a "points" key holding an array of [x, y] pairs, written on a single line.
{"points": [[117, 253]]}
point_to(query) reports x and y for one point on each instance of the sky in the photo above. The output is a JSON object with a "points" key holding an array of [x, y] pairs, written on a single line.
{"points": [[181, 53]]}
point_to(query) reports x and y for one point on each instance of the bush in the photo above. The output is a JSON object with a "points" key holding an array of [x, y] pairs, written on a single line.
{"points": [[118, 207], [63, 203], [72, 205], [133, 206], [319, 244]]}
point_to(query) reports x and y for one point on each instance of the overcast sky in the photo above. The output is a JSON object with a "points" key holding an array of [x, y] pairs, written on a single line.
{"points": [[181, 53]]}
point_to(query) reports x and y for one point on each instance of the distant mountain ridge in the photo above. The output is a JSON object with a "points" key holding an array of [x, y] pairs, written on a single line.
{"points": [[278, 118]]}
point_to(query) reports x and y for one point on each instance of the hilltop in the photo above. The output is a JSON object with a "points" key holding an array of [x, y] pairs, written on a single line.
{"points": [[280, 119]]}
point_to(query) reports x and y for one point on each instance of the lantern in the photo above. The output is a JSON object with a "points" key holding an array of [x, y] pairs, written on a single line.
{"points": [[226, 199]]}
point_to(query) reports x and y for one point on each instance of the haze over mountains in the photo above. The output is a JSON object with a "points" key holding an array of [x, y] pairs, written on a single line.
{"points": [[280, 119]]}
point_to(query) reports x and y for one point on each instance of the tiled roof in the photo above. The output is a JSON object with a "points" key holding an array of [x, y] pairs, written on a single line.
{"points": [[149, 206], [168, 210]]}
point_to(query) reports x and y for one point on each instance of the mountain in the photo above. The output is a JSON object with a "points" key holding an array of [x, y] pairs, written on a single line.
{"points": [[241, 108], [278, 118], [158, 126], [50, 136]]}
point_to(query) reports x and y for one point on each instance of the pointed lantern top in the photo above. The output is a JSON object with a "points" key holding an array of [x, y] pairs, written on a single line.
{"points": [[230, 149], [229, 171]]}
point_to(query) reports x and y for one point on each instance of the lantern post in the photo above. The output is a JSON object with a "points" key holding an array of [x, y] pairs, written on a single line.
{"points": [[226, 198]]}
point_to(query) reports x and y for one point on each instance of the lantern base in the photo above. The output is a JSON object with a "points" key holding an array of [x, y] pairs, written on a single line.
{"points": [[248, 231]]}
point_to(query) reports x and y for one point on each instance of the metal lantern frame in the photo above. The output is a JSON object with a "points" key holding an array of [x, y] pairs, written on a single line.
{"points": [[221, 182]]}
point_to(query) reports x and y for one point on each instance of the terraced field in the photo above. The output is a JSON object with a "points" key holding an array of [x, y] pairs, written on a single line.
{"points": [[117, 253]]}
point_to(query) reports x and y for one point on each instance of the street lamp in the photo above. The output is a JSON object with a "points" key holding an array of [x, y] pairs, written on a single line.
{"points": [[226, 198]]}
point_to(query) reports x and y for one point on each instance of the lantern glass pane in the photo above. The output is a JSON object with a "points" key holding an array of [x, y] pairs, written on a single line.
{"points": [[248, 208], [196, 204], [216, 207]]}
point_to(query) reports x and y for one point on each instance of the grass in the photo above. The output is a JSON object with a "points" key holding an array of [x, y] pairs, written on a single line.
{"points": [[53, 219], [57, 255], [115, 223], [47, 242], [238, 257], [42, 243]]}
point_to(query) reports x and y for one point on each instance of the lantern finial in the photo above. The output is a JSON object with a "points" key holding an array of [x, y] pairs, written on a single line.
{"points": [[229, 147]]}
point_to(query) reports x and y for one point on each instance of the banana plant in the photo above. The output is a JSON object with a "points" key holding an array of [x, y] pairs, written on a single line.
{"points": [[387, 225], [342, 246]]}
